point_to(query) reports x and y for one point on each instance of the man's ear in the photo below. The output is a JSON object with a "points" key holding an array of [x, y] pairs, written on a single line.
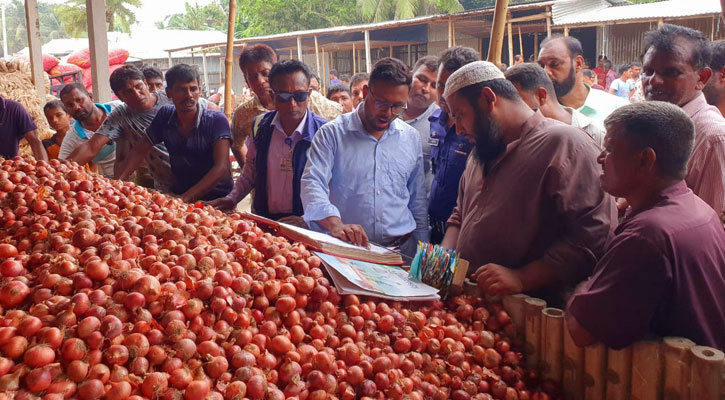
{"points": [[542, 96], [704, 75], [490, 97], [578, 64], [648, 161], [365, 90], [719, 76]]}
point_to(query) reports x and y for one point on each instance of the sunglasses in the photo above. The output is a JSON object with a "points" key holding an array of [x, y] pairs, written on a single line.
{"points": [[284, 97]]}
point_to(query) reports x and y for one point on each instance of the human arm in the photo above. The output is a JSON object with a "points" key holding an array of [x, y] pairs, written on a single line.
{"points": [[240, 130], [36, 145], [135, 158], [242, 186], [216, 173], [85, 152]]}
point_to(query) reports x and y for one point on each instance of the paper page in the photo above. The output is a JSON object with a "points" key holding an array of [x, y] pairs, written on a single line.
{"points": [[385, 279], [322, 237]]}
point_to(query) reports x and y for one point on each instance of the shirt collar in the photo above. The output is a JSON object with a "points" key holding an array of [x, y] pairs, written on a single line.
{"points": [[299, 130], [577, 118], [80, 130], [695, 105], [425, 114], [357, 125], [669, 192]]}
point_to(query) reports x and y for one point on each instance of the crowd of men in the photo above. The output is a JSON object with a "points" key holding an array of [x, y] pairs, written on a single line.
{"points": [[543, 183]]}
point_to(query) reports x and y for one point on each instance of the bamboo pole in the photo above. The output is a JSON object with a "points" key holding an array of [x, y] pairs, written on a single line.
{"points": [[515, 306], [595, 370], [566, 31], [323, 78], [647, 370], [35, 45], [206, 71], [619, 373], [354, 61], [497, 32], [317, 59], [521, 44], [291, 57], [552, 343], [536, 45], [391, 51], [450, 31], [676, 352], [229, 61], [511, 45], [573, 368], [409, 57], [548, 21], [707, 364], [368, 63], [532, 336], [453, 28], [299, 48]]}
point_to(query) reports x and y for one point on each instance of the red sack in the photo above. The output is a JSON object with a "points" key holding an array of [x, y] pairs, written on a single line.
{"points": [[81, 58], [49, 62], [87, 78], [117, 56], [62, 68]]}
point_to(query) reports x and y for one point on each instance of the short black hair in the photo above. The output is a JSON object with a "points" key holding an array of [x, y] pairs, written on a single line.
{"points": [[314, 76], [517, 57], [53, 104], [288, 67], [71, 87], [663, 39], [572, 44], [333, 72], [338, 87], [121, 76], [181, 73], [717, 59], [345, 78], [430, 62], [635, 64], [530, 77], [457, 56], [661, 126], [390, 70], [256, 53], [588, 73], [623, 68], [151, 72], [362, 76], [501, 87]]}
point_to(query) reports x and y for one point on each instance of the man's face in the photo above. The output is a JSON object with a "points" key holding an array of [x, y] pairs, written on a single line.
{"points": [[559, 65], [357, 92], [714, 88], [443, 75], [136, 94], [635, 71], [383, 103], [291, 84], [314, 84], [57, 118], [477, 125], [423, 90], [185, 96], [619, 163], [155, 84], [669, 76], [78, 105], [344, 99], [257, 77]]}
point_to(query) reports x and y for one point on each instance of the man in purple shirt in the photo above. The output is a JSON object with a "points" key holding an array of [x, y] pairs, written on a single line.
{"points": [[15, 124], [277, 150], [664, 271]]}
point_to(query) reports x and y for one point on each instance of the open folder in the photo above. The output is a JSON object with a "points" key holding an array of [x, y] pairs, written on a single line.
{"points": [[328, 244]]}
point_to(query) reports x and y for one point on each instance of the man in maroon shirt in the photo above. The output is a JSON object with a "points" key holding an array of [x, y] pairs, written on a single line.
{"points": [[664, 271]]}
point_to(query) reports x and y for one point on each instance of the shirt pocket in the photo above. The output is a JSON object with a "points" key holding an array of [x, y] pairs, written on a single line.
{"points": [[399, 172]]}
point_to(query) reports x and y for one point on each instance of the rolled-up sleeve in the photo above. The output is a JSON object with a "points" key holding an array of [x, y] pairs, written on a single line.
{"points": [[588, 213], [417, 204], [617, 304], [315, 189]]}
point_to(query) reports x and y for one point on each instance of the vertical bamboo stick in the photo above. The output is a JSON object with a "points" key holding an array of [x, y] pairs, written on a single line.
{"points": [[514, 305], [495, 45], [595, 370], [354, 62], [573, 368], [229, 61], [511, 44], [552, 344], [619, 373], [706, 378], [521, 44], [532, 336], [647, 370], [676, 352]]}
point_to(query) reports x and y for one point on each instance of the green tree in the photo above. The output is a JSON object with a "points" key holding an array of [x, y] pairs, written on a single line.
{"points": [[50, 26], [120, 16], [263, 17], [198, 18], [385, 10]]}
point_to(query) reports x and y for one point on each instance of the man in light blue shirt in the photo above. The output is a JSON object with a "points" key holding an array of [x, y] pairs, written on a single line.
{"points": [[364, 178]]}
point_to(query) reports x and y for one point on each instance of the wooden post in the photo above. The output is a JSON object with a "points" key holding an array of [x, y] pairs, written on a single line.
{"points": [[291, 57], [536, 45], [515, 307], [409, 57], [532, 349], [511, 45], [495, 46], [453, 28], [552, 343], [229, 61], [595, 370], [299, 48], [521, 45], [647, 370], [323, 78], [450, 31], [171, 62], [660, 21], [368, 62], [35, 46], [548, 21], [566, 31], [98, 43], [676, 352], [391, 51], [619, 373], [354, 59], [707, 364], [206, 73], [317, 59], [573, 366]]}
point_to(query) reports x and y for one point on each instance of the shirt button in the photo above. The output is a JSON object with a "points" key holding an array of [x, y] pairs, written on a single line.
{"points": [[378, 193], [379, 167], [377, 219]]}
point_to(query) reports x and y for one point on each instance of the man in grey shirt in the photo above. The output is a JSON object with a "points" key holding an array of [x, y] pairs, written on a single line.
{"points": [[421, 105]]}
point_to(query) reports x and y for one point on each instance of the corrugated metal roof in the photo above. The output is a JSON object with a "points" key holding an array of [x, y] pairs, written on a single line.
{"points": [[642, 12], [564, 11]]}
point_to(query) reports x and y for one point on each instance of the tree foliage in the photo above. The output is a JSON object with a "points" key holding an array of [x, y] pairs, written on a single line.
{"points": [[263, 17], [120, 16], [196, 17], [385, 10], [50, 25]]}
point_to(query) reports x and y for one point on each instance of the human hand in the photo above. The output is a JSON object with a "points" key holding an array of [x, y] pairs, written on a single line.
{"points": [[294, 220], [223, 204], [495, 280], [354, 234]]}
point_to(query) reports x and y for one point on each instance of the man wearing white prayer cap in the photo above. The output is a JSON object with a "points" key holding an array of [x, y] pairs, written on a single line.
{"points": [[531, 215]]}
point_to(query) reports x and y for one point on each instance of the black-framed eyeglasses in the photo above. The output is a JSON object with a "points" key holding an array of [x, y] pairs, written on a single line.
{"points": [[396, 109], [284, 97]]}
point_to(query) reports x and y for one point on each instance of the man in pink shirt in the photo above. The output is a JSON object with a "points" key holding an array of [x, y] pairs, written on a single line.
{"points": [[675, 67], [277, 150]]}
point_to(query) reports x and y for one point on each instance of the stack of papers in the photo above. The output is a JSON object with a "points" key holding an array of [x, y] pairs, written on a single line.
{"points": [[376, 280]]}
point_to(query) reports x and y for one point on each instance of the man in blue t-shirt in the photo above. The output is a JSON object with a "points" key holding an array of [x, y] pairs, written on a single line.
{"points": [[16, 124], [198, 140], [623, 86]]}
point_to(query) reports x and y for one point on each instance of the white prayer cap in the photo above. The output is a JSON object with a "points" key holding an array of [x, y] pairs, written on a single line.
{"points": [[470, 74]]}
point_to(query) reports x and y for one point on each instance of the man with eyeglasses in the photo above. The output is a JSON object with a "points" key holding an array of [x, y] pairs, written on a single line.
{"points": [[364, 176], [277, 150]]}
